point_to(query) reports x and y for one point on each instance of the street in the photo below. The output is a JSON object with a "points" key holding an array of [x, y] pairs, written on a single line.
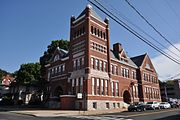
{"points": [[169, 114]]}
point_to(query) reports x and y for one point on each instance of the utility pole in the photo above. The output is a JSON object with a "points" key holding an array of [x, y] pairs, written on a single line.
{"points": [[165, 91]]}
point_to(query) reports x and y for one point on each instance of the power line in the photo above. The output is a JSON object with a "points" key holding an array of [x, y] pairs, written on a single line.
{"points": [[120, 22], [172, 9], [125, 18], [150, 24]]}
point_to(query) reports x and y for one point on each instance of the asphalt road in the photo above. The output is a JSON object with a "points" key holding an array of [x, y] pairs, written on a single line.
{"points": [[170, 114]]}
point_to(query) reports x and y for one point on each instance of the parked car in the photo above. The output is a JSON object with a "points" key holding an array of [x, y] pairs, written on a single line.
{"points": [[164, 105], [137, 106], [152, 105], [178, 104], [173, 104]]}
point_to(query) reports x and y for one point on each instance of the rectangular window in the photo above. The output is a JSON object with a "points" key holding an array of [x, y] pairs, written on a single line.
{"points": [[52, 71], [107, 105], [122, 72], [81, 85], [114, 105], [105, 66], [74, 64], [112, 69], [117, 88], [116, 70], [73, 86], [127, 73], [78, 63], [77, 85], [102, 87], [118, 105], [96, 63], [100, 65], [92, 63], [55, 70], [95, 105], [112, 87], [133, 75], [63, 69], [93, 86], [98, 87], [82, 60], [106, 87]]}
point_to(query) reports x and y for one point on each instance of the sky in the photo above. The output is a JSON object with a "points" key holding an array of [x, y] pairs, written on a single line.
{"points": [[27, 27]]}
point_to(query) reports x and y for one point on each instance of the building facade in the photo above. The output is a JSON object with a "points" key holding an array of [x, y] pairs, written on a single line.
{"points": [[92, 76]]}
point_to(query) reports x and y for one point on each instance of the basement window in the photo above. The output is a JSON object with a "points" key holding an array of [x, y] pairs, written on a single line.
{"points": [[95, 105]]}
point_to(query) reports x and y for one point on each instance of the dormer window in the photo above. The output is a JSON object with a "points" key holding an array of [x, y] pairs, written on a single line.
{"points": [[56, 58]]}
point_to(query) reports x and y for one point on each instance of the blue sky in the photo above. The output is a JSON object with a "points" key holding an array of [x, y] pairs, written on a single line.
{"points": [[27, 27]]}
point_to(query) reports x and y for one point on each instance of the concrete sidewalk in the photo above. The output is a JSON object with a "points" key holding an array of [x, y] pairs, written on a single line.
{"points": [[58, 113]]}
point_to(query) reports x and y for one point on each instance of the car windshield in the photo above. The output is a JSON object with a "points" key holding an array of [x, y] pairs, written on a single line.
{"points": [[163, 103], [149, 102]]}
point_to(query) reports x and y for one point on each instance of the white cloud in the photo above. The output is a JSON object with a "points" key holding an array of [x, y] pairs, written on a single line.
{"points": [[165, 67]]}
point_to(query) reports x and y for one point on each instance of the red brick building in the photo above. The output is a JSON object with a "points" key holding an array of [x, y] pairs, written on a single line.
{"points": [[92, 76]]}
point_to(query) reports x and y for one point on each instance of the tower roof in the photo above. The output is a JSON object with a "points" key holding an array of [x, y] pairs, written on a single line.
{"points": [[93, 13]]}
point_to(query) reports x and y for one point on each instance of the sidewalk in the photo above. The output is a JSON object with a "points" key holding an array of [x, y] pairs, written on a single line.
{"points": [[58, 113]]}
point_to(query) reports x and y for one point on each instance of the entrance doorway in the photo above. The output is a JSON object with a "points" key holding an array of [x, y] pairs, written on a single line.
{"points": [[127, 97]]}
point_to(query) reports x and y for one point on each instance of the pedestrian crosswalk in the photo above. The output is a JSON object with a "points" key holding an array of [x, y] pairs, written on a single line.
{"points": [[102, 117]]}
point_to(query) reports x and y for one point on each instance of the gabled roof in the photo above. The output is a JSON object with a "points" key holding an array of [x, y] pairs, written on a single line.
{"points": [[93, 13], [138, 60], [129, 63], [63, 53]]}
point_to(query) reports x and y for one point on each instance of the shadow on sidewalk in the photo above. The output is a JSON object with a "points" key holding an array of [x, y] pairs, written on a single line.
{"points": [[173, 117], [24, 107]]}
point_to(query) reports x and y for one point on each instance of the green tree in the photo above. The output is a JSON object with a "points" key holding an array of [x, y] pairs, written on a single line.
{"points": [[29, 74]]}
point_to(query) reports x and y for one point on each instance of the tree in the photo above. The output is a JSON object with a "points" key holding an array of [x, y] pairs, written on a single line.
{"points": [[29, 74], [63, 44]]}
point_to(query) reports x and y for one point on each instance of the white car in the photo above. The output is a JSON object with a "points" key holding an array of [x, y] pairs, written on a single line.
{"points": [[152, 105], [165, 105]]}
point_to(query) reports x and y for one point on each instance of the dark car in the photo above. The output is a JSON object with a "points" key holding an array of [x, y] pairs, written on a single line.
{"points": [[178, 104], [173, 104], [138, 106]]}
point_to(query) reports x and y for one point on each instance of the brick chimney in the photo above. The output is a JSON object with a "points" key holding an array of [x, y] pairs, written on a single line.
{"points": [[117, 47]]}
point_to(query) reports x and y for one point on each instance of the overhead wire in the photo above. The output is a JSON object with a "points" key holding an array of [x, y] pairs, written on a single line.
{"points": [[172, 9], [124, 25], [130, 22], [151, 25]]}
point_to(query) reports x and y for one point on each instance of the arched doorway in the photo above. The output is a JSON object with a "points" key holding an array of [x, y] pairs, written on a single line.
{"points": [[58, 91], [126, 97]]}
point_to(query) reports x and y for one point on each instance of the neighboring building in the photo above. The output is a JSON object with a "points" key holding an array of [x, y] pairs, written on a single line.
{"points": [[171, 90], [5, 84], [91, 76]]}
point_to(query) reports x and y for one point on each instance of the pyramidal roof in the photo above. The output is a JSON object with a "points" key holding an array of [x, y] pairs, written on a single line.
{"points": [[93, 13]]}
